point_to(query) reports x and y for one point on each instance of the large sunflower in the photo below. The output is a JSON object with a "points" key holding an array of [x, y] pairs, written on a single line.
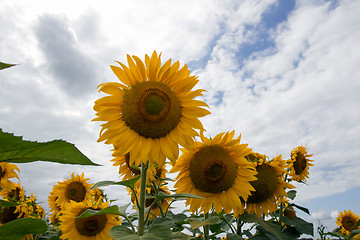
{"points": [[269, 187], [76, 189], [151, 111], [90, 228], [155, 210], [299, 164], [346, 221], [216, 170], [7, 170]]}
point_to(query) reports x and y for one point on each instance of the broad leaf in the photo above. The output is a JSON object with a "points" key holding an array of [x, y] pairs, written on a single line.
{"points": [[301, 225], [128, 183], [108, 210], [291, 194], [5, 65], [15, 149], [18, 228], [196, 223], [123, 233], [162, 195]]}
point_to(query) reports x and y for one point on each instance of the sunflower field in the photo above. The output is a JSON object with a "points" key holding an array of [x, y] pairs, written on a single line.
{"points": [[151, 119]]}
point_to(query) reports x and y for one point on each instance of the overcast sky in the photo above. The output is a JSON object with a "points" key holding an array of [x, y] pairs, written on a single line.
{"points": [[282, 73]]}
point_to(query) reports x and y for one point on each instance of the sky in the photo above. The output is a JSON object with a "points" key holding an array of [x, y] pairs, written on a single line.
{"points": [[282, 73]]}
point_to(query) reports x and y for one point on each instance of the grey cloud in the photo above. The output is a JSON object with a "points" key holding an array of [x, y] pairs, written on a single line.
{"points": [[73, 70]]}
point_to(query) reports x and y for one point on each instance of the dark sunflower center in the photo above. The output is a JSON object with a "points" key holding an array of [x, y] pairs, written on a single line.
{"points": [[151, 109], [265, 186], [212, 169], [75, 191], [8, 214], [300, 163], [2, 173], [290, 212], [14, 194], [348, 223], [90, 226], [127, 161]]}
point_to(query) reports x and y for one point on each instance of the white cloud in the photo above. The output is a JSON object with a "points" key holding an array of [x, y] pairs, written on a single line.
{"points": [[302, 89]]}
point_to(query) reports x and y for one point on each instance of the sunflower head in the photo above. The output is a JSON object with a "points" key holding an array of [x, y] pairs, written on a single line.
{"points": [[152, 109], [269, 187], [17, 193], [299, 164], [77, 189], [7, 171], [94, 227], [346, 221], [254, 156], [216, 170]]}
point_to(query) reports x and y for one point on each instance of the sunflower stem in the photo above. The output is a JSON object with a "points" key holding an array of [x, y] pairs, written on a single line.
{"points": [[142, 194], [206, 227]]}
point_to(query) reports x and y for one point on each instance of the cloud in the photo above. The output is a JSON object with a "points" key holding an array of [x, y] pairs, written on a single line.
{"points": [[67, 62]]}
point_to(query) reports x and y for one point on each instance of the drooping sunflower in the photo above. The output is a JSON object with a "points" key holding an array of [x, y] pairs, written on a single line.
{"points": [[7, 171], [299, 164], [151, 111], [77, 189], [17, 193], [127, 171], [90, 228], [269, 187], [216, 170], [155, 210], [346, 221]]}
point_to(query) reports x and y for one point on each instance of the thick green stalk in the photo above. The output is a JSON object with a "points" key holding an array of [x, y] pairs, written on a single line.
{"points": [[141, 208]]}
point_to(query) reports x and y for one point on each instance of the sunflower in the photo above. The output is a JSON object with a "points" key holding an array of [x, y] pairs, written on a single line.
{"points": [[346, 221], [90, 228], [17, 193], [128, 171], [254, 156], [7, 170], [155, 210], [97, 194], [76, 189], [216, 170], [151, 111], [269, 187], [299, 164]]}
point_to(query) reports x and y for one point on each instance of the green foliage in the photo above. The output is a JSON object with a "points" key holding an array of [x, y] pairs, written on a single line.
{"points": [[127, 183], [5, 65], [15, 149], [17, 229]]}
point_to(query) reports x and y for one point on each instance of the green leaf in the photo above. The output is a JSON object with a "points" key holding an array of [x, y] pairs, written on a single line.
{"points": [[5, 65], [6, 204], [301, 225], [353, 233], [232, 236], [196, 223], [162, 195], [158, 230], [128, 183], [18, 228], [15, 149], [291, 194], [301, 208], [108, 210], [179, 235], [123, 233]]}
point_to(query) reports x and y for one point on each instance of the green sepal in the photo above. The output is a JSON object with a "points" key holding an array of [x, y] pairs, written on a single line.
{"points": [[15, 149], [17, 229], [128, 183]]}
